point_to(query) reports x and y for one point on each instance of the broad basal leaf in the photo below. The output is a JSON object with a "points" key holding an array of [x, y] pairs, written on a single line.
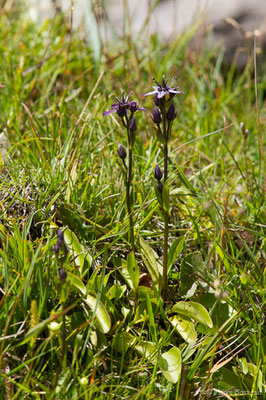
{"points": [[76, 282], [122, 341], [192, 264], [193, 310], [147, 350], [185, 328], [101, 314], [170, 364]]}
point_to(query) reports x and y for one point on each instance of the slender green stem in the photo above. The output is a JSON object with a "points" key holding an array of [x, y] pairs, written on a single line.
{"points": [[166, 230], [62, 360], [128, 186], [64, 338]]}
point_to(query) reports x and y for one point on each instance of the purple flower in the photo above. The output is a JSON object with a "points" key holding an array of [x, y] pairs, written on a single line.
{"points": [[123, 106], [161, 90], [156, 116], [158, 173], [171, 114], [122, 152]]}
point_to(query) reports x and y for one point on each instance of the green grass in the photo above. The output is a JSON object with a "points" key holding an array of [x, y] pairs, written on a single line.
{"points": [[83, 338]]}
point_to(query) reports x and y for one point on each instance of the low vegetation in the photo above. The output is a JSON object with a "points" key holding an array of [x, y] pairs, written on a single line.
{"points": [[129, 285]]}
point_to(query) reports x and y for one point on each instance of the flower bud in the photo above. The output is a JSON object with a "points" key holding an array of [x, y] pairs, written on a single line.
{"points": [[245, 131], [83, 382], [63, 275], [156, 116], [122, 152], [57, 247], [160, 187], [133, 106], [60, 235], [171, 114], [158, 173], [54, 326], [133, 125]]}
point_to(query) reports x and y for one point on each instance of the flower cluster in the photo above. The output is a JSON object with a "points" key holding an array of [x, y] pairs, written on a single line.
{"points": [[126, 109], [60, 249], [162, 94]]}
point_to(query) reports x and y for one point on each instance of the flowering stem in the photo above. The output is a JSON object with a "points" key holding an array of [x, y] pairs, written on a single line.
{"points": [[128, 185], [62, 360], [166, 229]]}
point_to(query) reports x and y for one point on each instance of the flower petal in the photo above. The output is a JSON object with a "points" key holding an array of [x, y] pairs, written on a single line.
{"points": [[150, 93], [110, 112], [175, 91], [161, 94]]}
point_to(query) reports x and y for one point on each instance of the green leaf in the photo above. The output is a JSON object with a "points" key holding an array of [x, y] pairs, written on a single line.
{"points": [[170, 364], [166, 198], [182, 191], [193, 310], [143, 291], [253, 370], [191, 264], [102, 317], [152, 263], [122, 341], [74, 247], [76, 282], [158, 194], [147, 350], [116, 291], [175, 250], [185, 328], [33, 332], [126, 275], [133, 270]]}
